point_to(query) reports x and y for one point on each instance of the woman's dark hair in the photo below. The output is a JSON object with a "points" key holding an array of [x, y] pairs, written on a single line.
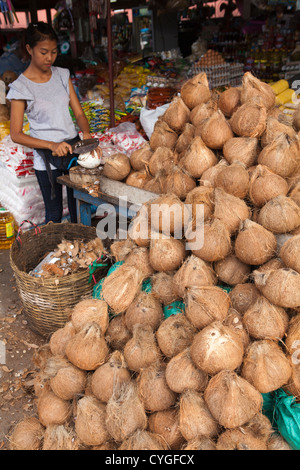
{"points": [[37, 32]]}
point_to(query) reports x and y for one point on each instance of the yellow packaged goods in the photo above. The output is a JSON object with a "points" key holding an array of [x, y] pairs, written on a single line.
{"points": [[280, 86], [7, 229], [285, 97]]}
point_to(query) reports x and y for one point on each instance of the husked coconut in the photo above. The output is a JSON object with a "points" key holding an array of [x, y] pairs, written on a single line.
{"points": [[231, 399], [216, 348], [266, 366]]}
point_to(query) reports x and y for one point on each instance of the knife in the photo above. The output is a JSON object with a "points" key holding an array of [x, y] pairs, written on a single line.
{"points": [[84, 146]]}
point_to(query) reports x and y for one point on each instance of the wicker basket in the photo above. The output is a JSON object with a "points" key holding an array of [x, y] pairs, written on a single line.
{"points": [[47, 302]]}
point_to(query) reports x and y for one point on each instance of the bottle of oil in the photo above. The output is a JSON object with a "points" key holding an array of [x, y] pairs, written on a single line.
{"points": [[7, 229]]}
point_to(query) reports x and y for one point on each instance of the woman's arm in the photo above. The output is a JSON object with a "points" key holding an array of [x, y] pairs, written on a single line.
{"points": [[80, 117], [17, 135]]}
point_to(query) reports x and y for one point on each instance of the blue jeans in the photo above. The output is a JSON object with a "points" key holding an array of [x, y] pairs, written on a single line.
{"points": [[54, 207]]}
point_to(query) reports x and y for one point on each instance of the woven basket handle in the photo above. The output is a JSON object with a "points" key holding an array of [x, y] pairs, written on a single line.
{"points": [[18, 237]]}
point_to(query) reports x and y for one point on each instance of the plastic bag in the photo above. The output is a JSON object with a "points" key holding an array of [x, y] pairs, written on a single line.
{"points": [[149, 117], [284, 414]]}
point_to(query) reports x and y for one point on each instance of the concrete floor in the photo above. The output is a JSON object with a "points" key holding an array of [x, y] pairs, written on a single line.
{"points": [[17, 345]]}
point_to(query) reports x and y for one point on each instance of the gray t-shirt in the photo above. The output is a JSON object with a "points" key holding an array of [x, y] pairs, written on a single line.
{"points": [[47, 108]]}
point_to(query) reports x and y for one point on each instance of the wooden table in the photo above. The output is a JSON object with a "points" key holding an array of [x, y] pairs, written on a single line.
{"points": [[126, 200]]}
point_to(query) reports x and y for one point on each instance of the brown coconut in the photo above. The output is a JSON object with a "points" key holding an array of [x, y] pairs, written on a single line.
{"points": [[52, 409], [68, 382], [163, 288], [231, 400], [296, 119], [289, 253], [175, 334], [89, 311], [109, 376], [229, 101], [125, 412], [153, 389], [242, 149], [166, 424], [87, 350], [239, 439], [205, 305], [273, 129], [157, 183], [202, 111], [266, 185], [162, 159], [231, 210], [28, 434], [198, 158], [293, 385], [140, 158], [208, 178], [295, 193], [144, 440], [195, 418], [179, 182], [263, 320], [145, 310], [177, 114], [234, 179], [280, 215], [142, 349], [200, 443], [117, 167], [216, 131], [210, 240], [200, 197], [60, 338], [138, 179], [60, 437], [166, 253], [139, 257], [249, 120], [232, 271], [261, 426], [185, 139], [280, 286], [196, 91], [293, 335], [167, 214], [265, 366], [277, 442], [117, 333], [90, 419], [121, 248], [252, 88], [163, 136], [182, 374], [139, 229], [254, 245], [280, 156], [243, 296], [216, 348], [193, 273], [234, 320], [121, 287]]}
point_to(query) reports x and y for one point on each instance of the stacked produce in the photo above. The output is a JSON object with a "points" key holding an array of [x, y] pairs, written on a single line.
{"points": [[210, 58], [122, 373]]}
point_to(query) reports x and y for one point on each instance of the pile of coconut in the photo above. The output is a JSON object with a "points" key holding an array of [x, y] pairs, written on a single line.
{"points": [[204, 132], [122, 374]]}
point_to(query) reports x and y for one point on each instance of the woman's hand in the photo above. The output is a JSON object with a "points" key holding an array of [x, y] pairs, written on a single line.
{"points": [[60, 149]]}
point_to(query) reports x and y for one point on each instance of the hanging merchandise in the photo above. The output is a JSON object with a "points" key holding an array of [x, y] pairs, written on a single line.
{"points": [[8, 11], [97, 8], [63, 19]]}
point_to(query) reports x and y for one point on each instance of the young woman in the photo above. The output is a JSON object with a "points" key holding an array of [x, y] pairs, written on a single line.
{"points": [[44, 93]]}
